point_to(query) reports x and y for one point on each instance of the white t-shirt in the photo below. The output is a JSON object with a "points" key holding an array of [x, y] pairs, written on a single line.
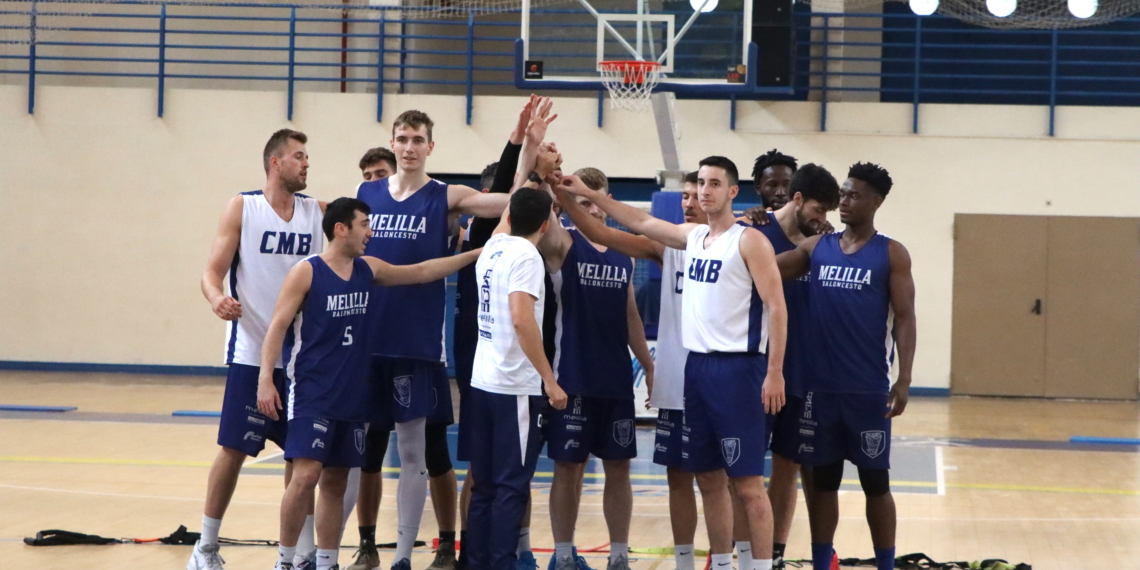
{"points": [[507, 264]]}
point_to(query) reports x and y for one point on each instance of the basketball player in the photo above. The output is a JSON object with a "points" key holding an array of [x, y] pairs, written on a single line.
{"points": [[377, 163], [325, 300], [511, 371], [667, 393], [733, 318], [862, 306], [410, 217], [497, 177], [814, 193], [262, 234], [597, 320]]}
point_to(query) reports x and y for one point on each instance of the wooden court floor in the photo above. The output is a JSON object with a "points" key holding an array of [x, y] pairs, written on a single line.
{"points": [[1010, 485]]}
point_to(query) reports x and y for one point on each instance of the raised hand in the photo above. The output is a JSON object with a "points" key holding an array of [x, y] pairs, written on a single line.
{"points": [[540, 119], [519, 131]]}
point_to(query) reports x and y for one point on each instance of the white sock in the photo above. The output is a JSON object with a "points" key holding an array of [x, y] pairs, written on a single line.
{"points": [[619, 550], [721, 561], [210, 530], [524, 541], [350, 493], [411, 495], [306, 541], [744, 554], [326, 559], [563, 550], [683, 556], [761, 564], [285, 554]]}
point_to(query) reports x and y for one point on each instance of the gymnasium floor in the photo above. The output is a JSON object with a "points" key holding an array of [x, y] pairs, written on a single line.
{"points": [[974, 478]]}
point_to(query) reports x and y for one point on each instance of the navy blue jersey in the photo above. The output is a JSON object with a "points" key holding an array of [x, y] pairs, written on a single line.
{"points": [[466, 323], [798, 348], [592, 336], [407, 320], [326, 350], [851, 317]]}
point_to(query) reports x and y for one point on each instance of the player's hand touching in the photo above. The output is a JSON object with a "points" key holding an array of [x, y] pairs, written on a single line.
{"points": [[575, 187], [227, 308], [773, 392], [549, 160], [897, 399], [758, 215], [555, 394], [268, 400]]}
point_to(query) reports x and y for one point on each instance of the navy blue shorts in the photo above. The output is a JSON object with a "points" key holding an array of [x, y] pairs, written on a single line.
{"points": [[242, 427], [332, 443], [667, 444], [838, 426], [785, 427], [441, 411], [725, 426], [601, 426], [406, 389]]}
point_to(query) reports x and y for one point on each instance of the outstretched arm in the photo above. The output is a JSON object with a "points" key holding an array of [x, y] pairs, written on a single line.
{"points": [[385, 273], [289, 301], [671, 235], [530, 340], [222, 254], [760, 259], [467, 200], [636, 246], [905, 325], [797, 262], [637, 342]]}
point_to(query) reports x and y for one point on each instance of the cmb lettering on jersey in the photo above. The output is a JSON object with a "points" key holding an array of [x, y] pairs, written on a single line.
{"points": [[347, 304], [286, 243], [705, 270]]}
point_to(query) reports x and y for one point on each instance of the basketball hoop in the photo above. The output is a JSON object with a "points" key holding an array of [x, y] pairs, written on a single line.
{"points": [[630, 83]]}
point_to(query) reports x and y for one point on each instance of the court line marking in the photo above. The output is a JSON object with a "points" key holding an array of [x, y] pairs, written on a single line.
{"points": [[926, 484], [939, 476]]}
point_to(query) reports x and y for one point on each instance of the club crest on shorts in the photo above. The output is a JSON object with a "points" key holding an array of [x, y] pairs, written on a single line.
{"points": [[730, 449], [403, 395], [623, 432], [874, 442], [358, 438]]}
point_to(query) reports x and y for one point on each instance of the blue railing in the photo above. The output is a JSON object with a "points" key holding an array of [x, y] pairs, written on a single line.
{"points": [[894, 56]]}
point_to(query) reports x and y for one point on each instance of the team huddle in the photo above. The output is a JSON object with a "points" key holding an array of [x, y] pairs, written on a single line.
{"points": [[775, 334]]}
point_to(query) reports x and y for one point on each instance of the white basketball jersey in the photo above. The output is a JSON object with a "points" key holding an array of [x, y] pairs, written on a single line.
{"points": [[721, 310], [268, 249], [670, 356]]}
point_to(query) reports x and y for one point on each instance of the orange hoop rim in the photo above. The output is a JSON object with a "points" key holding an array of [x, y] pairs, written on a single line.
{"points": [[622, 65]]}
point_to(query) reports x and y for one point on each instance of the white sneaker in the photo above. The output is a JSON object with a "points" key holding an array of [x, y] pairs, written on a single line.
{"points": [[205, 557]]}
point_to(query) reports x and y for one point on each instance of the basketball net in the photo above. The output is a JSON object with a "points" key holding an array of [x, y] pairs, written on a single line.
{"points": [[630, 83]]}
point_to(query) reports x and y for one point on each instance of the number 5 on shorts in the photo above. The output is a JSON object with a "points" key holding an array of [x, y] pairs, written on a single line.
{"points": [[347, 336]]}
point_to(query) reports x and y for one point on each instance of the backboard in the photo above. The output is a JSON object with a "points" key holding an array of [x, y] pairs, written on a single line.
{"points": [[704, 46]]}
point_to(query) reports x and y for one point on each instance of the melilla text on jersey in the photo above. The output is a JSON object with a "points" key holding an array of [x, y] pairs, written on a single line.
{"points": [[600, 275], [844, 277], [398, 226], [347, 304]]}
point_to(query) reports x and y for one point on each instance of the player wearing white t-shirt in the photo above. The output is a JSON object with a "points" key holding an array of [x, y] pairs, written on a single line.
{"points": [[734, 323], [667, 391], [507, 381], [261, 235]]}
